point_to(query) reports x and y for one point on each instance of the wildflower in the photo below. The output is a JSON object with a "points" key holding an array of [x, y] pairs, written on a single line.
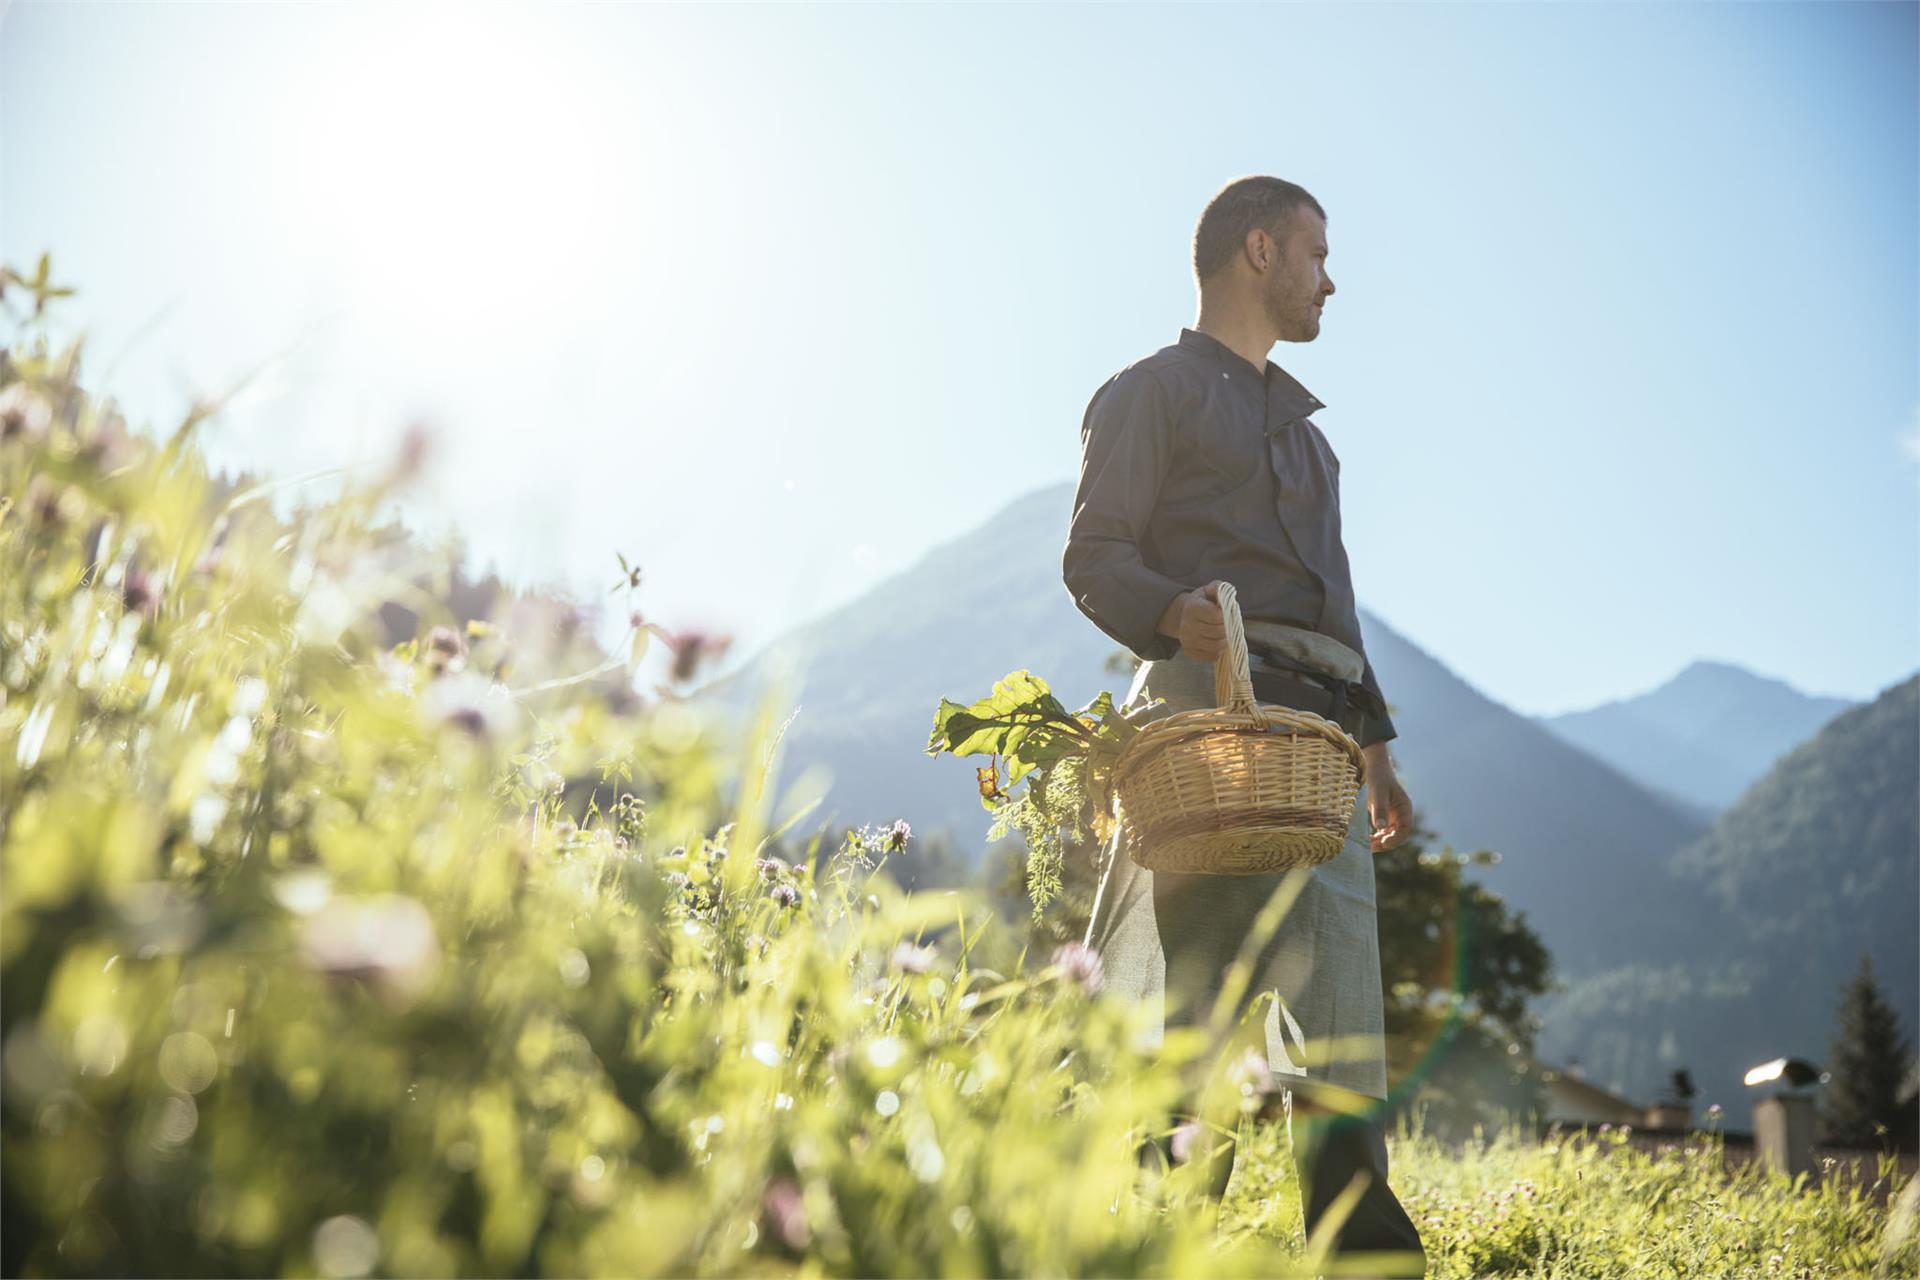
{"points": [[1251, 1072], [140, 593], [388, 941], [908, 958], [783, 1214], [53, 506], [785, 894], [691, 649], [469, 703], [1181, 1145], [446, 651], [23, 412], [771, 868], [1714, 1112], [897, 836], [1081, 965]]}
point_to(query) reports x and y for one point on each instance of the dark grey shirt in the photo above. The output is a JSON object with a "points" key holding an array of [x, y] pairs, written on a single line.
{"points": [[1196, 466]]}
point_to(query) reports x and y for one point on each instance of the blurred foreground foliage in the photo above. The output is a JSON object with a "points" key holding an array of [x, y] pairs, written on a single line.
{"points": [[324, 955], [329, 952]]}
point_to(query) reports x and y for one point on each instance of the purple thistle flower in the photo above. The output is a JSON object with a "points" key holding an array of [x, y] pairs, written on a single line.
{"points": [[1181, 1146], [140, 593], [771, 868], [785, 894], [783, 1213], [23, 412], [1081, 965], [694, 649], [897, 835]]}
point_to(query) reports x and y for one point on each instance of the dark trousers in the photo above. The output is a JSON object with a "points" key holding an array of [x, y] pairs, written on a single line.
{"points": [[1333, 1146], [1329, 1151], [1336, 1133]]}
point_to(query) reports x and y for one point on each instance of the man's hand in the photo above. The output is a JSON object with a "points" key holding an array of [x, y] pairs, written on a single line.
{"points": [[1388, 806], [1195, 620]]}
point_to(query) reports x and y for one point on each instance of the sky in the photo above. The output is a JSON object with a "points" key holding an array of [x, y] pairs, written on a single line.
{"points": [[1623, 363]]}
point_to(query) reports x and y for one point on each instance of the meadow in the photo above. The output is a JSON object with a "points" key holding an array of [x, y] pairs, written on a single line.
{"points": [[326, 955]]}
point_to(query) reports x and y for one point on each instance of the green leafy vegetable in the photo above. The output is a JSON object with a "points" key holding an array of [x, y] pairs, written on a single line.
{"points": [[1065, 758]]}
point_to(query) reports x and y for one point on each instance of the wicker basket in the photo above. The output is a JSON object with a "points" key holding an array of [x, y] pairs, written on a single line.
{"points": [[1241, 789]]}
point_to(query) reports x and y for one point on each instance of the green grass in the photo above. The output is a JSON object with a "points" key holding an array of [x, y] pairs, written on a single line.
{"points": [[1594, 1205]]}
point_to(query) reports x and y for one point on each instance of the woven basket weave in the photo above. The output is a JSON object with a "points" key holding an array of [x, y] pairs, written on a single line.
{"points": [[1241, 789]]}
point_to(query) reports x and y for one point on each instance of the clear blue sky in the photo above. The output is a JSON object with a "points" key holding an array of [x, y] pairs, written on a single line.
{"points": [[1622, 367]]}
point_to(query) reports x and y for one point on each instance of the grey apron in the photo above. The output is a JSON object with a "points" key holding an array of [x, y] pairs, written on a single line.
{"points": [[1322, 964]]}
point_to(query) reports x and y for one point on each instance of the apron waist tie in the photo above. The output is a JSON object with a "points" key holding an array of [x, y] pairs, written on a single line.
{"points": [[1345, 693]]}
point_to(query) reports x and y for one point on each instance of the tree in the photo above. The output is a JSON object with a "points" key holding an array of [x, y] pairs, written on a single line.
{"points": [[1868, 1060], [1458, 973]]}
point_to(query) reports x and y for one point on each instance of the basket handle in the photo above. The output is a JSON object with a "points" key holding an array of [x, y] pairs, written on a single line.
{"points": [[1232, 677]]}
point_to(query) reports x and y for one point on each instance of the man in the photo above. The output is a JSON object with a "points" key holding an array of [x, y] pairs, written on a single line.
{"points": [[1200, 464]]}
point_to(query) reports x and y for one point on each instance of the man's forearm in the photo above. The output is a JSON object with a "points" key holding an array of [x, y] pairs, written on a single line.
{"points": [[1379, 763]]}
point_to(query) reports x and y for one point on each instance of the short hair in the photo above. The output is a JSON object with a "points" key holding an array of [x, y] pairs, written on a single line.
{"points": [[1243, 205]]}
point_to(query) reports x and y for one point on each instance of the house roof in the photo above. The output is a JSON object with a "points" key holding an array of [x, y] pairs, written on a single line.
{"points": [[1559, 1077]]}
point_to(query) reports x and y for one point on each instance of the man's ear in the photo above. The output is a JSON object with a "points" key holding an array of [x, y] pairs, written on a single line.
{"points": [[1262, 250]]}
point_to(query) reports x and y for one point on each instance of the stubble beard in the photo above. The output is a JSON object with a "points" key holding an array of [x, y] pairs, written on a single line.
{"points": [[1294, 322]]}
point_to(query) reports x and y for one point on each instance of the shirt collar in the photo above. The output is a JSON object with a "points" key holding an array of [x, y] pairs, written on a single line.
{"points": [[1281, 384]]}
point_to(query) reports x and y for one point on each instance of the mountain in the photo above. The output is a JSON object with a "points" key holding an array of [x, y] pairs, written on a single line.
{"points": [[1583, 847], [1678, 944], [1817, 860], [866, 677], [1703, 737]]}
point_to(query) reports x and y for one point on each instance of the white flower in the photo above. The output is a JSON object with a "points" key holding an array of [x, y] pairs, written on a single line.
{"points": [[387, 940], [465, 701]]}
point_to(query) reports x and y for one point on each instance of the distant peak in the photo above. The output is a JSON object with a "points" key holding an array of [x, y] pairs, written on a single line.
{"points": [[1710, 665], [1706, 674]]}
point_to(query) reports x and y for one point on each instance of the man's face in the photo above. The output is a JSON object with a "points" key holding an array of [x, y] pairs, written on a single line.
{"points": [[1298, 282]]}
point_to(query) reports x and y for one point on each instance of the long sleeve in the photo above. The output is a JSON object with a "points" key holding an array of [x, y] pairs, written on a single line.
{"points": [[1125, 446], [1375, 728]]}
